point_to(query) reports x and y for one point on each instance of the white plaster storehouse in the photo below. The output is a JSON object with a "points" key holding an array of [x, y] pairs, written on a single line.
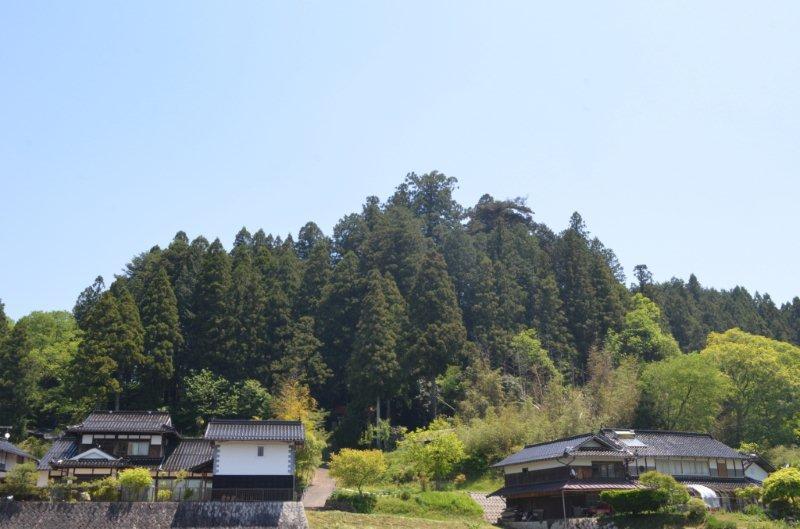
{"points": [[254, 460]]}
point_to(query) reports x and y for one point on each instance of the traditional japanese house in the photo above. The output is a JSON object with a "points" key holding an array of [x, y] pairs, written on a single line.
{"points": [[563, 478], [11, 456], [254, 460]]}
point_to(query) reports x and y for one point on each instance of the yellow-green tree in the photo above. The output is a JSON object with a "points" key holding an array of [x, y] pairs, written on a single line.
{"points": [[434, 453], [294, 402], [684, 392], [641, 335], [358, 468], [765, 381]]}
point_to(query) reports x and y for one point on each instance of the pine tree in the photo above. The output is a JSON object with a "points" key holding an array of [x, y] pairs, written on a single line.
{"points": [[437, 328], [162, 335], [374, 370], [552, 323], [430, 197], [308, 237], [213, 328]]}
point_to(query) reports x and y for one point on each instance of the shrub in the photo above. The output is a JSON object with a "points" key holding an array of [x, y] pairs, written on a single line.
{"points": [[716, 523], [754, 510], [677, 494], [134, 481], [696, 511], [20, 482], [106, 489], [433, 453], [357, 468], [783, 487], [164, 495], [353, 502], [635, 501], [750, 494]]}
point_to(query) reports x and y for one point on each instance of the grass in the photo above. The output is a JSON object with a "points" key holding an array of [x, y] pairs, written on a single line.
{"points": [[431, 504], [486, 483], [746, 521], [346, 520]]}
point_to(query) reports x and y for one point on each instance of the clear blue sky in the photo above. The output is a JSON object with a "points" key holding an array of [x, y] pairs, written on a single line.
{"points": [[673, 127]]}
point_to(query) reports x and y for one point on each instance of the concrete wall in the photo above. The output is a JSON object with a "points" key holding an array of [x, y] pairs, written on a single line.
{"points": [[166, 515], [242, 459]]}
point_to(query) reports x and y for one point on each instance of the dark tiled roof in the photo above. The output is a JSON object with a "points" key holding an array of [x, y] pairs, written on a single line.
{"points": [[62, 448], [720, 485], [690, 444], [556, 449], [154, 422], [189, 454], [7, 447], [239, 430], [592, 485]]}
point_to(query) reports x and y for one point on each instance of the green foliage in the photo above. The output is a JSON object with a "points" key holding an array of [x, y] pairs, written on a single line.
{"points": [[433, 453], [641, 335], [353, 502], [207, 395], [712, 522], [696, 511], [20, 482], [106, 489], [134, 482], [35, 446], [764, 374], [357, 468], [684, 392], [750, 494], [164, 495], [635, 501], [429, 504], [782, 487], [676, 493]]}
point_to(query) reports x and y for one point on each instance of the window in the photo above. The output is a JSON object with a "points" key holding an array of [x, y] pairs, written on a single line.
{"points": [[260, 451], [525, 469], [138, 448], [606, 470]]}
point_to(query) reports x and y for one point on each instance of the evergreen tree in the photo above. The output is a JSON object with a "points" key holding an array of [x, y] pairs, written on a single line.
{"points": [[430, 197], [374, 370], [302, 359], [438, 333], [248, 302], [87, 299], [339, 312], [396, 245], [309, 236], [162, 335], [4, 323], [552, 323], [15, 386], [316, 275], [213, 326], [128, 350]]}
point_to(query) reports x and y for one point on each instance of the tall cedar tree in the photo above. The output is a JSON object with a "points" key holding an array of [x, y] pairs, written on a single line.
{"points": [[162, 336], [248, 303], [396, 245], [87, 299], [15, 389], [339, 311], [316, 275], [213, 326], [374, 370], [129, 348], [302, 357], [438, 334], [3, 322], [93, 374]]}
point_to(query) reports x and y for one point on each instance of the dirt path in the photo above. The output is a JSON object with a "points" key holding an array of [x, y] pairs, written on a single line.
{"points": [[319, 491]]}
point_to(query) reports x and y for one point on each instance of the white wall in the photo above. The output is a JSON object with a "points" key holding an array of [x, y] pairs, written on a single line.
{"points": [[583, 461], [236, 458], [754, 471]]}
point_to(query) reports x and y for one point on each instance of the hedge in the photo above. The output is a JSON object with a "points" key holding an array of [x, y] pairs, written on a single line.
{"points": [[635, 501]]}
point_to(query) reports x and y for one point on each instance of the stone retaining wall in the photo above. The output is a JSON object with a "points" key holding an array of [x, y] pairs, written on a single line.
{"points": [[141, 515]]}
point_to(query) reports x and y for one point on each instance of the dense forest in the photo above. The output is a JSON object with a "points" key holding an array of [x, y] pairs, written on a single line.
{"points": [[415, 307]]}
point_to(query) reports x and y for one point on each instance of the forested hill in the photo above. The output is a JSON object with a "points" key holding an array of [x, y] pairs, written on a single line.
{"points": [[408, 291]]}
